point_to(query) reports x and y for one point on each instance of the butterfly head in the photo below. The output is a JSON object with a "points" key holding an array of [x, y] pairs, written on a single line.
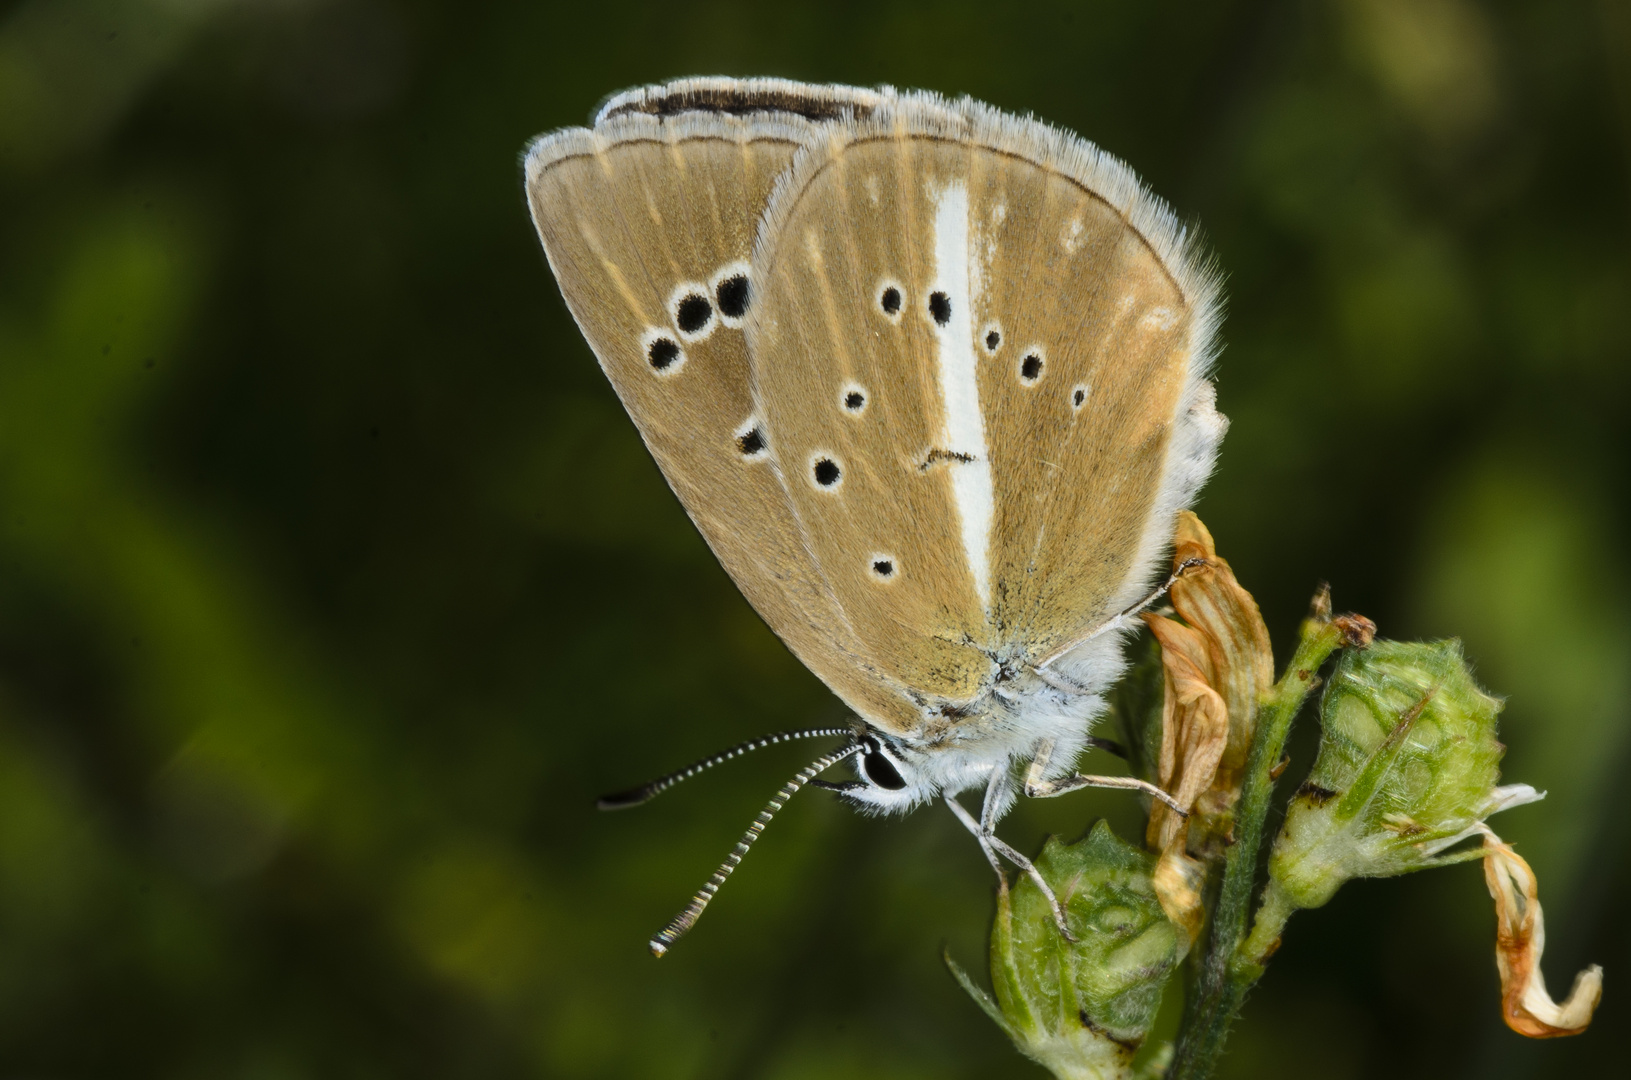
{"points": [[888, 778], [895, 776]]}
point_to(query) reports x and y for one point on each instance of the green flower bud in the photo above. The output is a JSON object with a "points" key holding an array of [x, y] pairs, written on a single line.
{"points": [[1081, 1008], [1406, 768]]}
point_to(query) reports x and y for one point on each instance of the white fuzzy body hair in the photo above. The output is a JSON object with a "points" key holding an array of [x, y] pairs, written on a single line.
{"points": [[1000, 733]]}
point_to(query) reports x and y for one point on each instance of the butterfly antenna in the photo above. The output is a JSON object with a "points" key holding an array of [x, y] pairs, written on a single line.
{"points": [[686, 919], [622, 800]]}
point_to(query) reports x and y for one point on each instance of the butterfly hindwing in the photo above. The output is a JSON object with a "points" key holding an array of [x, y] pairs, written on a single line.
{"points": [[648, 222]]}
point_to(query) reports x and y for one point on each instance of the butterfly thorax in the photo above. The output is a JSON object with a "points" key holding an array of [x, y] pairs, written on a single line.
{"points": [[958, 747]]}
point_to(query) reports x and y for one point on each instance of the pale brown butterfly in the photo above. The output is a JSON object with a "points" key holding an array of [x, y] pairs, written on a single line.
{"points": [[930, 379]]}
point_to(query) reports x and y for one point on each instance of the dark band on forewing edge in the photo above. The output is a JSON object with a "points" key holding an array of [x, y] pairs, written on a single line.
{"points": [[740, 101]]}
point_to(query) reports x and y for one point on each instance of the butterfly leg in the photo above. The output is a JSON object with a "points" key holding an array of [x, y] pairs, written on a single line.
{"points": [[993, 846], [1115, 622], [1038, 788]]}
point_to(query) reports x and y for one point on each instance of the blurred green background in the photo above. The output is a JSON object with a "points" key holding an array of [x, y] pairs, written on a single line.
{"points": [[334, 583]]}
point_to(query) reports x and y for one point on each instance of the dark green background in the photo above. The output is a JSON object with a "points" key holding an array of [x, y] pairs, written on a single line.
{"points": [[334, 583]]}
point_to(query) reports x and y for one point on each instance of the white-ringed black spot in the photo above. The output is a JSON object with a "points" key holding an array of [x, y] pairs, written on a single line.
{"points": [[826, 472], [882, 567], [693, 313], [1030, 368], [750, 440], [940, 307], [1078, 396], [732, 290], [889, 300], [732, 296], [853, 399], [991, 337], [662, 352]]}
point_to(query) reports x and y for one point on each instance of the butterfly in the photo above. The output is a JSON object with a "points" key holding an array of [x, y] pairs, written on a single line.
{"points": [[930, 378]]}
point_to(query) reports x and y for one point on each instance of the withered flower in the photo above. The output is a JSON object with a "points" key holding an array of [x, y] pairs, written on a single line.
{"points": [[1217, 666], [1520, 938]]}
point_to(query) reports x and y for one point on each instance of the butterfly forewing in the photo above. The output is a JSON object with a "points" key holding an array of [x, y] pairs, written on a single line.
{"points": [[1081, 394], [1036, 408], [648, 223], [855, 302]]}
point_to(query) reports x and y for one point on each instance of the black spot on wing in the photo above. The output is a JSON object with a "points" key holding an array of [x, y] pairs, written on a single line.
{"points": [[662, 353], [732, 296], [940, 308], [692, 313]]}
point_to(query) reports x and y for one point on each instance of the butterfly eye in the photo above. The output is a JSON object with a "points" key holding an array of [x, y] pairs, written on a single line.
{"points": [[881, 771]]}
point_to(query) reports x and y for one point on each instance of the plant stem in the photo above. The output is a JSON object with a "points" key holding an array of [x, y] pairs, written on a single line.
{"points": [[1224, 976]]}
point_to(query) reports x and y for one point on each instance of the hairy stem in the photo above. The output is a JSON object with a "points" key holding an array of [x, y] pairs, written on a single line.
{"points": [[1226, 972]]}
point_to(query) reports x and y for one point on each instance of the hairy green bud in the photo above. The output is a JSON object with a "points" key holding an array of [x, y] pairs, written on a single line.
{"points": [[1081, 1008], [1407, 768]]}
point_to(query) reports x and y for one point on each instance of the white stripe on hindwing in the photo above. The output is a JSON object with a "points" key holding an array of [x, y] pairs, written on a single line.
{"points": [[959, 386]]}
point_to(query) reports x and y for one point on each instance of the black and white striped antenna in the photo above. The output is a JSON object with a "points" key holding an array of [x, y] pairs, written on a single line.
{"points": [[686, 919], [622, 800]]}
